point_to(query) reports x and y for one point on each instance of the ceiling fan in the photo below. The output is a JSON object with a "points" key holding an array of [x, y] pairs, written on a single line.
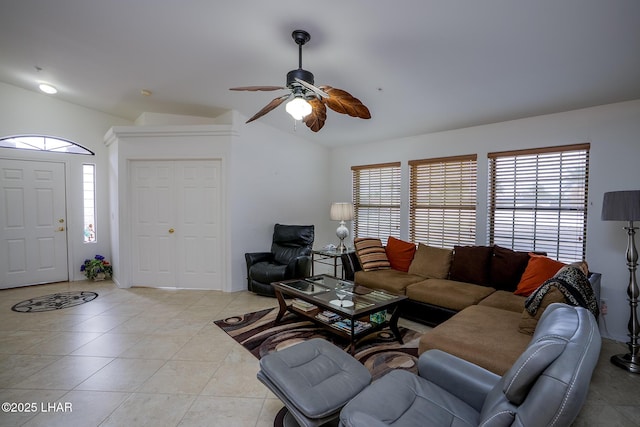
{"points": [[308, 102]]}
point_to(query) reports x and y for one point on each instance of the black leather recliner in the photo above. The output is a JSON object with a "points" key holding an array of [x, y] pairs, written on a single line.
{"points": [[290, 258]]}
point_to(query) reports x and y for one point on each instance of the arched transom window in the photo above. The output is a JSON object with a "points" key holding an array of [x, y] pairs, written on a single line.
{"points": [[43, 143]]}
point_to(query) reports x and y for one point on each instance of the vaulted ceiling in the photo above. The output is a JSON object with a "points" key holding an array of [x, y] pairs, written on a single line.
{"points": [[419, 65]]}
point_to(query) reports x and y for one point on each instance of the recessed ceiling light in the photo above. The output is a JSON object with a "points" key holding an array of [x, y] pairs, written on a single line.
{"points": [[146, 92], [47, 88]]}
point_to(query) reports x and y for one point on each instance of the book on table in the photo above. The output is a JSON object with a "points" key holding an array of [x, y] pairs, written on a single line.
{"points": [[345, 325], [328, 316], [303, 305]]}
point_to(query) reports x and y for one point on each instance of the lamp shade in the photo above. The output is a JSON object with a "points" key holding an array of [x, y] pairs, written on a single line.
{"points": [[341, 211], [621, 206]]}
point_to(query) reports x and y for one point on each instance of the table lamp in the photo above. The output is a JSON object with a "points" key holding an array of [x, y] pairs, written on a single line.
{"points": [[625, 206], [342, 212]]}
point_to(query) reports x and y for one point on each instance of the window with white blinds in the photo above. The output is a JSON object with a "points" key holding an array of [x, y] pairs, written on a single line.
{"points": [[442, 205], [376, 200], [538, 200]]}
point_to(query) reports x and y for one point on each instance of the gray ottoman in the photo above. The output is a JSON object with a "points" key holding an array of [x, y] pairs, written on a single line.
{"points": [[314, 380]]}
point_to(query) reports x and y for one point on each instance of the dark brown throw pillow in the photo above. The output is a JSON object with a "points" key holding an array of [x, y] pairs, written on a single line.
{"points": [[471, 264], [506, 268]]}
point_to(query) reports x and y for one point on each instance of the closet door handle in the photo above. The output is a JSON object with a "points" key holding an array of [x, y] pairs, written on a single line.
{"points": [[171, 231]]}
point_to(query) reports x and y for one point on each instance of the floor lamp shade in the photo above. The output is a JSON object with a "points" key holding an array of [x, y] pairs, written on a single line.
{"points": [[341, 211], [625, 206], [621, 206]]}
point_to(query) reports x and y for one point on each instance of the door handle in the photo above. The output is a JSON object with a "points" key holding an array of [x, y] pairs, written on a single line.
{"points": [[60, 229], [61, 221], [171, 231]]}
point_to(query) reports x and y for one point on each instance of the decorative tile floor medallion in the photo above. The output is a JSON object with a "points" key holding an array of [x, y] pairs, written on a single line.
{"points": [[54, 301]]}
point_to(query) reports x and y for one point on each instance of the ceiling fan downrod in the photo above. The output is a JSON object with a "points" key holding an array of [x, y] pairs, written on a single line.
{"points": [[301, 37]]}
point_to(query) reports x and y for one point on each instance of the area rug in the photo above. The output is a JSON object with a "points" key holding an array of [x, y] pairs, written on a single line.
{"points": [[379, 351], [54, 301]]}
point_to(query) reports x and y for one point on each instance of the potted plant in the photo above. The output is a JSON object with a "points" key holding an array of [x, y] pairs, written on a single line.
{"points": [[97, 268]]}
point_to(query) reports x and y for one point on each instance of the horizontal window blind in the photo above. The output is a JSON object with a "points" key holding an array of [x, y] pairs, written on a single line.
{"points": [[443, 198], [538, 200], [376, 200]]}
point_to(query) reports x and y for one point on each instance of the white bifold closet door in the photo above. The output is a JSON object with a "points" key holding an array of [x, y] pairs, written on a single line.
{"points": [[176, 214]]}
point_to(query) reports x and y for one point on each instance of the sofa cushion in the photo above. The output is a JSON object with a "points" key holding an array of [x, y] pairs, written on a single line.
{"points": [[482, 335], [371, 253], [400, 253], [390, 280], [431, 262], [448, 293], [539, 269], [528, 322], [506, 268], [471, 264], [504, 300]]}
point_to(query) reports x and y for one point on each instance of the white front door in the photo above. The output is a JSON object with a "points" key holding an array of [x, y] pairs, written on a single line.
{"points": [[33, 246], [175, 212]]}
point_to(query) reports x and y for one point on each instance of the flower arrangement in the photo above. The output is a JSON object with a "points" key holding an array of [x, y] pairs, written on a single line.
{"points": [[98, 267]]}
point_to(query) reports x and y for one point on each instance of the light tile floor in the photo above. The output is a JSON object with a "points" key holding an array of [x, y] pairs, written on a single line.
{"points": [[152, 357]]}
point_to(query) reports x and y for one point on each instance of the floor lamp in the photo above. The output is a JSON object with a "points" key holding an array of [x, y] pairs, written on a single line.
{"points": [[625, 206], [342, 212]]}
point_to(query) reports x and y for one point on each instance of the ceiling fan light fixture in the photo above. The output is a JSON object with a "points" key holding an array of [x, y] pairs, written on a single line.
{"points": [[298, 107]]}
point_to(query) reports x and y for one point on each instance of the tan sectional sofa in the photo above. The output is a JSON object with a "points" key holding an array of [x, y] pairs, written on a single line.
{"points": [[478, 318]]}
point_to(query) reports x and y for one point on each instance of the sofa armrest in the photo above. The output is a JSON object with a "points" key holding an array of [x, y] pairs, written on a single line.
{"points": [[461, 378], [594, 279], [350, 264], [299, 267]]}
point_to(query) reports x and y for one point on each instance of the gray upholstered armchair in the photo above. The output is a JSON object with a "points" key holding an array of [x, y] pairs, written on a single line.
{"points": [[289, 258], [546, 386]]}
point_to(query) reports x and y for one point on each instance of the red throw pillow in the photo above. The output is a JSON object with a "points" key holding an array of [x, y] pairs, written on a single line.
{"points": [[539, 269], [400, 253]]}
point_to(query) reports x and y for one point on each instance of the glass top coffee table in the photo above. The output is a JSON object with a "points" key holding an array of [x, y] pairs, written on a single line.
{"points": [[341, 307]]}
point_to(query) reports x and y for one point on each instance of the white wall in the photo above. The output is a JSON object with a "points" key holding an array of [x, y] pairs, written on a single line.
{"points": [[275, 177], [26, 112], [614, 133]]}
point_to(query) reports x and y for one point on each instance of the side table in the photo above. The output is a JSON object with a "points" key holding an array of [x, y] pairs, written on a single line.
{"points": [[328, 257]]}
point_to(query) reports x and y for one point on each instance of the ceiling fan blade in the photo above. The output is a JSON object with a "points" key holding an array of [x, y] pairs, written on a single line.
{"points": [[343, 102], [315, 120], [270, 106], [311, 87], [255, 88]]}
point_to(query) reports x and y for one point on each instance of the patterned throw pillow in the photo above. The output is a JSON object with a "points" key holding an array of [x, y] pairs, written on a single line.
{"points": [[371, 254]]}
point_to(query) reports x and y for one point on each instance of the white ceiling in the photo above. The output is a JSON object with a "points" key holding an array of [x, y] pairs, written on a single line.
{"points": [[419, 65]]}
